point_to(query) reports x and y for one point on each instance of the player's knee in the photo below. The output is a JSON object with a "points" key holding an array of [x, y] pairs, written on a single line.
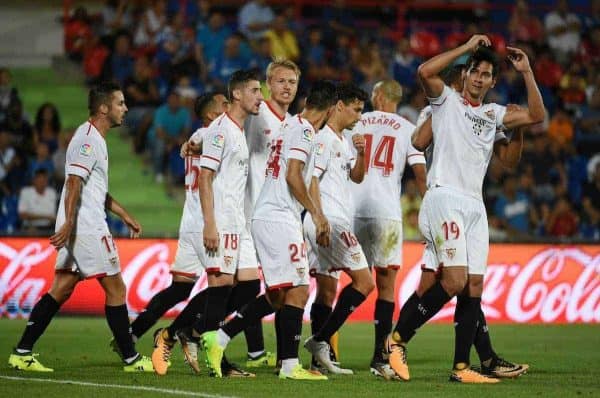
{"points": [[364, 285], [325, 297], [454, 283], [61, 293], [475, 285]]}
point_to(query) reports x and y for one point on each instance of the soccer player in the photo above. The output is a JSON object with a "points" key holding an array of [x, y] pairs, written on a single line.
{"points": [[378, 214], [186, 268], [277, 231], [453, 217], [85, 246], [221, 183], [337, 168], [263, 130], [509, 154]]}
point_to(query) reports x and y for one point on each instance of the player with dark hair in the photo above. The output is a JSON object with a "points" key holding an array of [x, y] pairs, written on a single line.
{"points": [[337, 167], [453, 217], [85, 246], [215, 239], [277, 232]]}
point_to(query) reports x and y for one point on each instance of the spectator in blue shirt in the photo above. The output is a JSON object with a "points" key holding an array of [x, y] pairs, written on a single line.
{"points": [[512, 207], [121, 61], [169, 130], [255, 19], [230, 61], [211, 37]]}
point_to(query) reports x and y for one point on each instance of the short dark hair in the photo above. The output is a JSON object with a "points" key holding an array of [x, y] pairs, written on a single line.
{"points": [[484, 54], [240, 78], [101, 94], [203, 102], [349, 92], [322, 95], [40, 171], [453, 74]]}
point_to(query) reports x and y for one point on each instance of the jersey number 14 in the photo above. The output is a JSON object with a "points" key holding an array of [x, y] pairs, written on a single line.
{"points": [[383, 156]]}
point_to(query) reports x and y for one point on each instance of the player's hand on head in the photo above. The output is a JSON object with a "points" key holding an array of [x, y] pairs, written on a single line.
{"points": [[358, 140], [211, 239], [478, 40], [519, 59], [60, 238]]}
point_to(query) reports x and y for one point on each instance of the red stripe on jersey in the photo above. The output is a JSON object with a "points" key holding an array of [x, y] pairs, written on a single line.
{"points": [[211, 158], [80, 166], [280, 286], [186, 274], [394, 266], [415, 154], [281, 118], [299, 149], [213, 270], [89, 128], [300, 119], [317, 167], [234, 122], [96, 276]]}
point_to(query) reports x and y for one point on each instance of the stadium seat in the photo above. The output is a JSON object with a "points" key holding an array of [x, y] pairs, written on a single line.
{"points": [[498, 43], [425, 44], [455, 39]]}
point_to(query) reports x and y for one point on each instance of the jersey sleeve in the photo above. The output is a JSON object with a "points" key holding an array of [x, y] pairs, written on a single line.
{"points": [[500, 136], [424, 115], [322, 154], [213, 149], [301, 143], [439, 101], [499, 111], [82, 156], [413, 156]]}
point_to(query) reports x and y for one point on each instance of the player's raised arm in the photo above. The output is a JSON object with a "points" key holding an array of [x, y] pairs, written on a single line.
{"points": [[73, 193], [535, 112], [135, 229], [429, 71]]}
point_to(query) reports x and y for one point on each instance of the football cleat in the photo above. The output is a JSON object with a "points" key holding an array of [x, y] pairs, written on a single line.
{"points": [[299, 373], [27, 362], [213, 351], [396, 354], [189, 346], [230, 369], [320, 351], [141, 364], [163, 345], [265, 359], [469, 376], [502, 368], [383, 369]]}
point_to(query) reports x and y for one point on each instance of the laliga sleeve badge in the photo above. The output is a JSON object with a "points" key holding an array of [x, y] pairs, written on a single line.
{"points": [[85, 150]]}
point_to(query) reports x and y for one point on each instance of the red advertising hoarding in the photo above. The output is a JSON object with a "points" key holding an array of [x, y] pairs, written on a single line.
{"points": [[523, 284]]}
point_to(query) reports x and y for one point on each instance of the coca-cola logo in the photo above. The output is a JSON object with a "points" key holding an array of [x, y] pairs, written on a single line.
{"points": [[555, 285]]}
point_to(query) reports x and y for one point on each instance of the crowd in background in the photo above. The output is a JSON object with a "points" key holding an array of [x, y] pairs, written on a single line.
{"points": [[165, 53]]}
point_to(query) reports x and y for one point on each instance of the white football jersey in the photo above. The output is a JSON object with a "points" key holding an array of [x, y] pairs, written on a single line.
{"points": [[276, 202], [225, 151], [261, 131], [464, 136], [387, 150], [333, 162], [192, 210], [87, 157]]}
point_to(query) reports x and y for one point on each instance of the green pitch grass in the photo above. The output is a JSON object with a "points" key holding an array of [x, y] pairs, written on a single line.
{"points": [[565, 362]]}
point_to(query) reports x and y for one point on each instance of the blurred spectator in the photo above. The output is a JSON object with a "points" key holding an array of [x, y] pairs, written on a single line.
{"points": [[228, 62], [121, 60], [572, 86], [410, 111], [37, 204], [316, 56], [255, 18], [169, 130], [513, 208], [152, 22], [263, 55], [539, 162], [189, 9], [142, 97], [8, 161], [591, 20], [411, 203], [47, 125], [8, 93], [176, 49], [19, 127], [404, 66], [561, 128], [562, 221], [563, 29], [548, 72], [589, 51], [283, 41], [337, 19], [523, 26], [591, 207], [78, 32], [94, 60], [368, 63], [42, 160], [115, 17], [59, 158], [589, 122], [211, 38]]}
